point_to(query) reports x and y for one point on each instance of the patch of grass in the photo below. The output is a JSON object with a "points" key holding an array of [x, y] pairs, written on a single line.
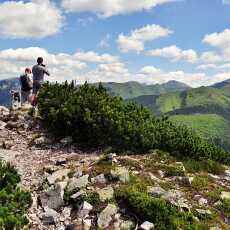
{"points": [[209, 166], [156, 210], [161, 156], [200, 182], [214, 195], [225, 207], [173, 171]]}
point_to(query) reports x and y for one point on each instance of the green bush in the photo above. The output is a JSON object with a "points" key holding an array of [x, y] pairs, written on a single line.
{"points": [[156, 210], [200, 182], [210, 166], [95, 119], [13, 202]]}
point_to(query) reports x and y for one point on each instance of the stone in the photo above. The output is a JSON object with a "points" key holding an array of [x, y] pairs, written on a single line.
{"points": [[202, 201], [106, 193], [66, 140], [227, 173], [84, 209], [58, 175], [52, 199], [2, 125], [49, 217], [161, 173], [147, 226], [105, 217], [8, 155], [60, 161], [80, 182], [78, 173], [225, 195], [87, 223], [42, 141], [78, 194], [62, 185], [127, 225], [121, 173], [156, 191], [204, 212], [100, 179]]}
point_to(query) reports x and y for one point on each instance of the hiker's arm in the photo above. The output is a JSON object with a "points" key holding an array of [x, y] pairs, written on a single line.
{"points": [[46, 71]]}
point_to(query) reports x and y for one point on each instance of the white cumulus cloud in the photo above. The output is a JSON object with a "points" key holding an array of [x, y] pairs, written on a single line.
{"points": [[35, 19], [137, 38], [108, 8], [175, 53]]}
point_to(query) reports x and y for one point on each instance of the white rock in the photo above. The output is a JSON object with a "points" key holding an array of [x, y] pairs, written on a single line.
{"points": [[58, 175], [87, 223], [202, 201], [121, 173], [227, 173], [78, 182], [225, 195], [84, 209], [147, 226], [105, 193], [156, 191], [105, 217]]}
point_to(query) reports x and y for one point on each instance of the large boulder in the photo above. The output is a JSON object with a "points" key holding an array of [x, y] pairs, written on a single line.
{"points": [[80, 182], [105, 193], [84, 209], [52, 199], [58, 175], [105, 217]]}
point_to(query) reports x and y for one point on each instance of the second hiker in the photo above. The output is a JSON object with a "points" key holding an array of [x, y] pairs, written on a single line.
{"points": [[39, 71]]}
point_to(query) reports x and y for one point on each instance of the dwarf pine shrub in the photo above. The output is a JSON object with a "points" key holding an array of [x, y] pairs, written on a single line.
{"points": [[13, 201], [96, 119]]}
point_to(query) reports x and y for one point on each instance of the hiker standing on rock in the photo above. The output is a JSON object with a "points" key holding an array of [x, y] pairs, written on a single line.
{"points": [[39, 71], [26, 85]]}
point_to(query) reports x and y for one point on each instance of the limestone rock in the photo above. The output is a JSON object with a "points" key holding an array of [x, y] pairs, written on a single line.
{"points": [[2, 125], [49, 217], [99, 179], [58, 175], [147, 226], [105, 193], [52, 199], [105, 217], [225, 195], [80, 182], [156, 191], [84, 209], [227, 173]]}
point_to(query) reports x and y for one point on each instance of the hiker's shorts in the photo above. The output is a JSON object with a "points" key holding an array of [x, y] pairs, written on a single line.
{"points": [[25, 96], [36, 87]]}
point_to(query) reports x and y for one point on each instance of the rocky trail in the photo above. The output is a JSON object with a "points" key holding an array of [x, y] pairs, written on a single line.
{"points": [[60, 177]]}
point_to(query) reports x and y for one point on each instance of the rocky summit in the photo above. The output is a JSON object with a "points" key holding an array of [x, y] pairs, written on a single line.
{"points": [[88, 189]]}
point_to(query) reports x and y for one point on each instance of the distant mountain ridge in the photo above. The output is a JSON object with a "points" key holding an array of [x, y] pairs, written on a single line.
{"points": [[5, 87], [125, 90], [134, 89], [222, 84]]}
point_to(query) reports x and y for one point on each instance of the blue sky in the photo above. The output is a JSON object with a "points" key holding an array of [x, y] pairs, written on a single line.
{"points": [[151, 41]]}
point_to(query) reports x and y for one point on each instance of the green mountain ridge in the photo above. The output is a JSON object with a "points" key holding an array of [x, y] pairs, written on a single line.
{"points": [[204, 109], [133, 89]]}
